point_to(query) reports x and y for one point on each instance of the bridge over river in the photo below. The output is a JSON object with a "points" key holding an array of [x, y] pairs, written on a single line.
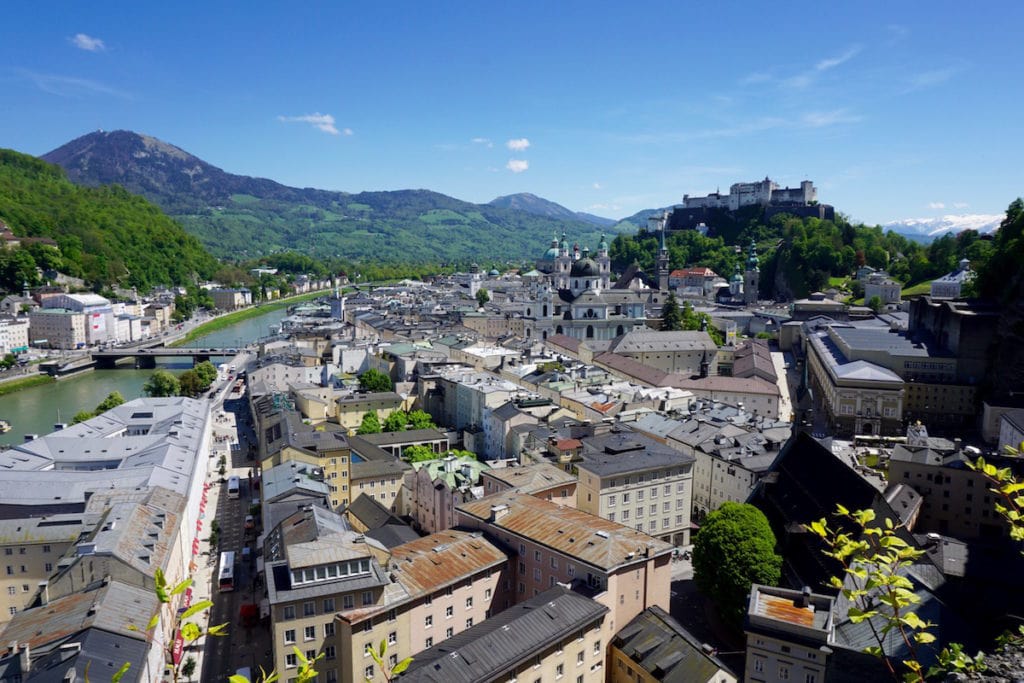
{"points": [[146, 357]]}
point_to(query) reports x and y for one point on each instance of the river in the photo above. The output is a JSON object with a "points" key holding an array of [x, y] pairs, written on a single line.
{"points": [[36, 410]]}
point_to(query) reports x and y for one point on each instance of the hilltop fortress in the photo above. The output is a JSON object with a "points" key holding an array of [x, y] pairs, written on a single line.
{"points": [[799, 201]]}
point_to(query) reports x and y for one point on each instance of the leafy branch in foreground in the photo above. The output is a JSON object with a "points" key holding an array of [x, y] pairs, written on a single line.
{"points": [[874, 560], [378, 657]]}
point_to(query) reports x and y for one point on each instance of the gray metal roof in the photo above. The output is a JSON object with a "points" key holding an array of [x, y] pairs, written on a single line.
{"points": [[624, 452], [490, 650], [666, 650]]}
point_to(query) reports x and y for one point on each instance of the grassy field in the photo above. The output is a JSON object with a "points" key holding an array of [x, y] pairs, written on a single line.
{"points": [[24, 383], [919, 288]]}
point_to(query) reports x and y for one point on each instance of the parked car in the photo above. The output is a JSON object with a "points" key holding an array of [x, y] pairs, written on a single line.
{"points": [[250, 522]]}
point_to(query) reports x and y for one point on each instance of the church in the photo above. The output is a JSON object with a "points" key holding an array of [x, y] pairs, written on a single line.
{"points": [[577, 298]]}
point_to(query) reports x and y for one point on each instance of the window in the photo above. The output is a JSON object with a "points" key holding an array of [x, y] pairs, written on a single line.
{"points": [[328, 605], [21, 551], [810, 678], [536, 573], [348, 602], [392, 615], [666, 506], [625, 515], [290, 660], [48, 566], [367, 625], [328, 629], [597, 647], [309, 633], [392, 661], [653, 510], [611, 501], [667, 489], [8, 551], [368, 672], [522, 549], [289, 611], [46, 548], [330, 652], [536, 556], [428, 621], [469, 622], [654, 492], [367, 597], [783, 672], [611, 516], [640, 495], [12, 610], [392, 638], [625, 498], [449, 632], [487, 594], [308, 609], [12, 590], [429, 642], [559, 670], [640, 512], [448, 591], [449, 611], [579, 657]]}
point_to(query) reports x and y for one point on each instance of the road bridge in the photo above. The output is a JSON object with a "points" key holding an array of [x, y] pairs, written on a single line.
{"points": [[146, 357]]}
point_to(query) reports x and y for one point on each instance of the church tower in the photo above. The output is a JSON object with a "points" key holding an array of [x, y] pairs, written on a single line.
{"points": [[662, 261], [604, 262], [752, 276]]}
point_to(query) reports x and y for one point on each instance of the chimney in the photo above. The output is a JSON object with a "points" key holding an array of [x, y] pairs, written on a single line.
{"points": [[24, 659], [450, 464], [498, 511], [805, 597]]}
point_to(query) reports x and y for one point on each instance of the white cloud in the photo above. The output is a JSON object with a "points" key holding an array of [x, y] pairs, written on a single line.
{"points": [[517, 165], [832, 62], [88, 43], [69, 86], [517, 144], [936, 205], [482, 141], [598, 186], [604, 207], [820, 119], [928, 79], [324, 122]]}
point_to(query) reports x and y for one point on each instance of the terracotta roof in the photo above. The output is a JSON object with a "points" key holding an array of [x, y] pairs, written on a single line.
{"points": [[442, 559], [536, 476], [746, 385], [573, 533], [625, 366], [568, 444], [564, 341]]}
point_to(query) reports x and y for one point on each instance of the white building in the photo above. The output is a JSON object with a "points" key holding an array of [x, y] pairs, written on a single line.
{"points": [[760, 193], [950, 285], [13, 335]]}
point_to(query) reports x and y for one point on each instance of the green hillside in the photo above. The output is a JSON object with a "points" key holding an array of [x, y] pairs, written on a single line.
{"points": [[105, 235]]}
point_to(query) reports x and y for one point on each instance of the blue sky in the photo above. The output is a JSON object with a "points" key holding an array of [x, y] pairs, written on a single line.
{"points": [[895, 110]]}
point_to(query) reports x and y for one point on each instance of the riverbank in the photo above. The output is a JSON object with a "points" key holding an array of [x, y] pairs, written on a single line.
{"points": [[228, 319], [9, 386]]}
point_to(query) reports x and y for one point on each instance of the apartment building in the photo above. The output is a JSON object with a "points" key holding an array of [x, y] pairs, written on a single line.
{"points": [[336, 591], [629, 478], [436, 486], [788, 634], [285, 438], [57, 328], [30, 549], [620, 567], [541, 479], [551, 637]]}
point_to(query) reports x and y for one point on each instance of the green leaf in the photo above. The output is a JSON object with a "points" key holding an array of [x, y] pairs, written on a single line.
{"points": [[181, 587], [298, 655], [196, 608], [159, 579], [383, 648], [119, 674], [218, 630], [153, 621], [923, 637], [236, 678], [401, 666], [818, 527], [190, 631]]}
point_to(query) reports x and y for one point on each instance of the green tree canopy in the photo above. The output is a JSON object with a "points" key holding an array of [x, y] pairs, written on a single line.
{"points": [[206, 372], [875, 304], [735, 548], [190, 384], [671, 317], [370, 424], [419, 453], [421, 419], [113, 400], [374, 380], [482, 296], [161, 383], [396, 421]]}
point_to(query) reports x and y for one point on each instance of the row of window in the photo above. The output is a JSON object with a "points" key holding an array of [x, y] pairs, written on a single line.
{"points": [[309, 633], [309, 607], [21, 550], [330, 571]]}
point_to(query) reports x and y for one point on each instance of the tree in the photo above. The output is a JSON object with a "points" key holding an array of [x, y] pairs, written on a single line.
{"points": [[419, 453], [396, 421], [735, 548], [671, 317], [188, 669], [875, 304], [375, 380], [482, 297], [370, 424], [421, 419], [161, 383], [206, 372], [82, 416], [190, 384], [113, 400]]}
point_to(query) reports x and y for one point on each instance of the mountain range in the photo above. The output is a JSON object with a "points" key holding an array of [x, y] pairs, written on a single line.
{"points": [[239, 216], [929, 228]]}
